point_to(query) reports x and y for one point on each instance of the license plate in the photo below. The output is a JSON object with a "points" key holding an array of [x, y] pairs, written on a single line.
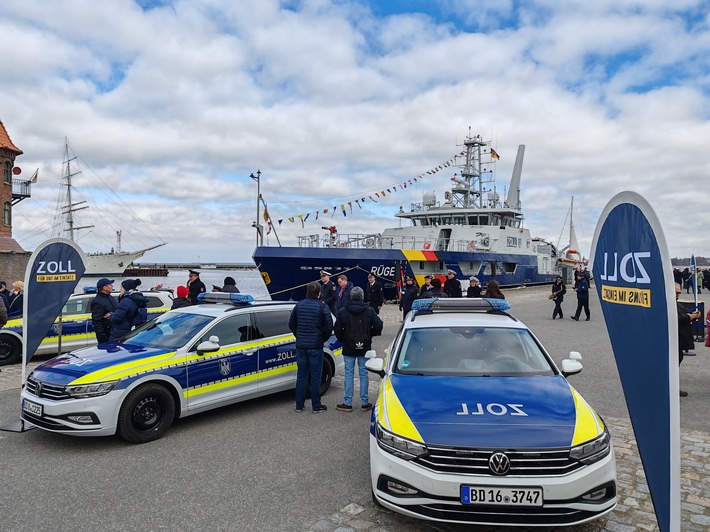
{"points": [[31, 408], [501, 496]]}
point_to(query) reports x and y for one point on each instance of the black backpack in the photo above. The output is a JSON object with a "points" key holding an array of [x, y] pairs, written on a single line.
{"points": [[357, 333]]}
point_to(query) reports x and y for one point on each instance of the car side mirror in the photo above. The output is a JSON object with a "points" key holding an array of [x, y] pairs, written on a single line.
{"points": [[371, 354], [376, 365], [571, 367], [208, 346]]}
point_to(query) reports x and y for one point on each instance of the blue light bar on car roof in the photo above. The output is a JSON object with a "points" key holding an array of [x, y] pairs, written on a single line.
{"points": [[220, 297], [473, 304]]}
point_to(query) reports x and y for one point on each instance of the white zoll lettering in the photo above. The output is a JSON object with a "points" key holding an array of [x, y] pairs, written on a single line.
{"points": [[55, 267], [495, 409], [630, 261]]}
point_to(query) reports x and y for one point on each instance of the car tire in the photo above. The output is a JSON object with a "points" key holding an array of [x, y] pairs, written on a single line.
{"points": [[10, 350], [146, 414], [326, 377]]}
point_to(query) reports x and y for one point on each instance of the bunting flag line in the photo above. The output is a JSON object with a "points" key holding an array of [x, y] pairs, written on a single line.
{"points": [[378, 195]]}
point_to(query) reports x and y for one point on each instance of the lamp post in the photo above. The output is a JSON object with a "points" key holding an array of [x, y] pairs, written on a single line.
{"points": [[257, 225]]}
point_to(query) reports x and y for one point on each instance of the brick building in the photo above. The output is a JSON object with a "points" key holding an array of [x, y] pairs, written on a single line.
{"points": [[13, 259]]}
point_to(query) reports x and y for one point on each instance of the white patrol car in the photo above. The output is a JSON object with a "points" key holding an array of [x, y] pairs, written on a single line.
{"points": [[475, 424], [186, 361], [76, 328]]}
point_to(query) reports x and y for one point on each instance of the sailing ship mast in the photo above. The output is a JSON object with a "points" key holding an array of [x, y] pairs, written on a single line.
{"points": [[70, 208]]}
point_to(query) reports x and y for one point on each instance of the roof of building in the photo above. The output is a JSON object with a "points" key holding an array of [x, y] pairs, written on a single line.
{"points": [[5, 141], [8, 243]]}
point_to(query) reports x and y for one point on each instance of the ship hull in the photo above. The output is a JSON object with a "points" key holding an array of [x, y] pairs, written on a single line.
{"points": [[110, 264], [287, 270]]}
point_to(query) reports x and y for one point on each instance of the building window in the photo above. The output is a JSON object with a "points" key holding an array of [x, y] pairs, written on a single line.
{"points": [[6, 213], [7, 172]]}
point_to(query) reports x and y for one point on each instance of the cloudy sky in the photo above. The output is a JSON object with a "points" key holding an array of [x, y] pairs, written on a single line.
{"points": [[171, 105]]}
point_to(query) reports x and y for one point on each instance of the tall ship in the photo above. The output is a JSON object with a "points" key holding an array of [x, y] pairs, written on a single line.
{"points": [[473, 232], [110, 263]]}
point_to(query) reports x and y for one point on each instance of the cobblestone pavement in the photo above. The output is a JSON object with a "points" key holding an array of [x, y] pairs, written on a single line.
{"points": [[633, 512]]}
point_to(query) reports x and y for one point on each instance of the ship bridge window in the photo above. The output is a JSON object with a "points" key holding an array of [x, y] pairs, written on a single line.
{"points": [[509, 267], [492, 268], [446, 220], [459, 220], [483, 220], [495, 220]]}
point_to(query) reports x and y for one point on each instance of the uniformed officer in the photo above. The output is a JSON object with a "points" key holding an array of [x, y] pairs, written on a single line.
{"points": [[328, 290]]}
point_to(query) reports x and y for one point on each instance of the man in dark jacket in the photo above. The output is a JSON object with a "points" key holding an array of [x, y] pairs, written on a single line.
{"points": [[195, 286], [373, 293], [408, 296], [452, 286], [582, 288], [312, 324], [342, 298], [355, 326], [558, 295], [3, 313], [181, 299], [102, 306], [686, 341], [435, 291], [131, 310], [230, 286], [328, 291]]}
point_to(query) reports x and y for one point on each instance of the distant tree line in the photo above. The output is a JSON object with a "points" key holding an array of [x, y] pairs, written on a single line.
{"points": [[699, 261]]}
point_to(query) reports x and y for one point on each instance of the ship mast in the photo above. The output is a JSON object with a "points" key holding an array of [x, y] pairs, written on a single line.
{"points": [[70, 208], [468, 191]]}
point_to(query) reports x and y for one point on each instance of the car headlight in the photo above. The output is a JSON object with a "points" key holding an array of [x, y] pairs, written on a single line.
{"points": [[80, 391], [592, 450], [397, 445]]}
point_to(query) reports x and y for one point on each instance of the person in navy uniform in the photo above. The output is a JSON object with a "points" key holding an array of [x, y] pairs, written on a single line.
{"points": [[328, 290], [581, 286], [312, 324], [474, 288], [558, 295], [426, 287], [373, 293], [452, 286], [408, 296], [102, 306], [195, 287]]}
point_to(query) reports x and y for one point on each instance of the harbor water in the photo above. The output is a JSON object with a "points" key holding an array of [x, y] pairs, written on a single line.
{"points": [[249, 281]]}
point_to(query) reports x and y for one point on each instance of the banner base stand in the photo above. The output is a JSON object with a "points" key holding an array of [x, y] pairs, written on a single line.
{"points": [[18, 426]]}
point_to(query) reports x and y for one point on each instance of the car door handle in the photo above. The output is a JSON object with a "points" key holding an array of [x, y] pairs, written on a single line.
{"points": [[249, 353]]}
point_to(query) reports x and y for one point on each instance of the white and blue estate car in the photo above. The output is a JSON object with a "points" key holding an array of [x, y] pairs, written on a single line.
{"points": [[474, 423], [188, 360]]}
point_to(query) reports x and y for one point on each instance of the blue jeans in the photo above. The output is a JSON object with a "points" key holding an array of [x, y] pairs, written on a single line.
{"points": [[350, 379], [309, 361]]}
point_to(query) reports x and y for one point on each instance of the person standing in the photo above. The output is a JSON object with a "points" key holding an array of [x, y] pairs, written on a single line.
{"points": [[582, 288], [343, 296], [685, 329], [17, 298], [493, 290], [102, 306], [558, 295], [312, 324], [131, 311], [328, 290], [3, 313], [474, 288], [355, 326], [230, 286], [435, 291], [4, 294], [181, 299], [373, 293], [426, 287], [408, 296], [452, 286], [195, 287], [700, 280]]}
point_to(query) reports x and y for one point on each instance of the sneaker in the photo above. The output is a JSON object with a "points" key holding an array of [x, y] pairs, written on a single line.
{"points": [[575, 319], [344, 408], [683, 393], [321, 408], [299, 409], [367, 407], [587, 319]]}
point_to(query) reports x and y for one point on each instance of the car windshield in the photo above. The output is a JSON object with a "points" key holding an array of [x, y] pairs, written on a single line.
{"points": [[471, 351], [170, 331]]}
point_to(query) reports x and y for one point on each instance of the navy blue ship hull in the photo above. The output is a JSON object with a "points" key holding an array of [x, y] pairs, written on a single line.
{"points": [[287, 270]]}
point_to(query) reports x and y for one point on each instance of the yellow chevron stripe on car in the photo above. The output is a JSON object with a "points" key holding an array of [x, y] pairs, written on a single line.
{"points": [[397, 419], [588, 424], [120, 371]]}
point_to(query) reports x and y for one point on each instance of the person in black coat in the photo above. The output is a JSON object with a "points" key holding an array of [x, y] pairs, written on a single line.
{"points": [[342, 297], [373, 293], [131, 310], [686, 342], [102, 306], [328, 291], [582, 288], [474, 289], [558, 295], [435, 291], [195, 287], [452, 286], [408, 296], [15, 309], [181, 299], [312, 324], [426, 287]]}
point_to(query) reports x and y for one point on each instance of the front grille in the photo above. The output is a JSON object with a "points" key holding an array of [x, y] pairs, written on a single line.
{"points": [[49, 391], [471, 461], [503, 515]]}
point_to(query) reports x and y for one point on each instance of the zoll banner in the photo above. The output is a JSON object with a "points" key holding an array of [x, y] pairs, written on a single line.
{"points": [[634, 280], [51, 277]]}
